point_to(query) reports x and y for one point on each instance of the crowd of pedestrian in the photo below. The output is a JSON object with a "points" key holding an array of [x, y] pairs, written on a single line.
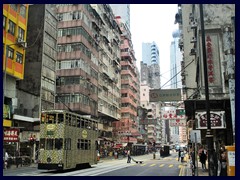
{"points": [[219, 160]]}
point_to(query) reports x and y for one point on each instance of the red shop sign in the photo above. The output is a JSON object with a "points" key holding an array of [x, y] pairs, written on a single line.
{"points": [[11, 135]]}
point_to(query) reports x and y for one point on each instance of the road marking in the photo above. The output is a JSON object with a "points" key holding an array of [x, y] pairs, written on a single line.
{"points": [[152, 164], [179, 166], [143, 164], [171, 165], [162, 165]]}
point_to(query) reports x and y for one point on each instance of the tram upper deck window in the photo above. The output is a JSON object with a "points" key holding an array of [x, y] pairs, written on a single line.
{"points": [[82, 123], [78, 122], [60, 118], [68, 119], [50, 119], [74, 120]]}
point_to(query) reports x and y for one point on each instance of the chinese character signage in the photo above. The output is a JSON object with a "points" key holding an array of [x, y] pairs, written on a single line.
{"points": [[213, 59], [217, 119], [11, 135], [147, 121], [177, 122], [173, 114], [164, 95]]}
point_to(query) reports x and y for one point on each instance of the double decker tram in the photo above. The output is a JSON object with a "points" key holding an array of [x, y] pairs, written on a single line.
{"points": [[67, 140]]}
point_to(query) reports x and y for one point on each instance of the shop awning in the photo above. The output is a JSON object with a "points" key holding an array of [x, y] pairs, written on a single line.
{"points": [[117, 146], [25, 118]]}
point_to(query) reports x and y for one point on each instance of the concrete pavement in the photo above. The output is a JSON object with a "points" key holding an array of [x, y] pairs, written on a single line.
{"points": [[187, 171]]}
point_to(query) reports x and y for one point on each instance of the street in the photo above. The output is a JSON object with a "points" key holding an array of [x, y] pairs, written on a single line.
{"points": [[167, 166]]}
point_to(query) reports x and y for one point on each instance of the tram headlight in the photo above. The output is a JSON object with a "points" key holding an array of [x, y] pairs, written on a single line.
{"points": [[49, 159], [60, 163]]}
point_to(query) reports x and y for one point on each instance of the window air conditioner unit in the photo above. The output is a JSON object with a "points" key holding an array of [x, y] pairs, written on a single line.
{"points": [[21, 43], [191, 16], [192, 52], [193, 40], [194, 25], [20, 40]]}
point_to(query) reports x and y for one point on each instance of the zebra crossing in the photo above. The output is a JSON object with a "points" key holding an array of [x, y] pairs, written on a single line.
{"points": [[159, 165], [101, 169]]}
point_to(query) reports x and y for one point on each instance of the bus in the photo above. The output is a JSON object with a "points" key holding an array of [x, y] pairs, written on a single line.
{"points": [[139, 149], [67, 140]]}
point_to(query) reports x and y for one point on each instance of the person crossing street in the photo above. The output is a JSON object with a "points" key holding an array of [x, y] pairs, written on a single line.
{"points": [[128, 156]]}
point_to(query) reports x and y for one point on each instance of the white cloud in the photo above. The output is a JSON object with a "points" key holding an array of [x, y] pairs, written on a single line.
{"points": [[153, 22]]}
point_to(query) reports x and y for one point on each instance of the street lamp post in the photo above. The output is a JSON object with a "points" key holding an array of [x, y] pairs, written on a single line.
{"points": [[209, 136]]}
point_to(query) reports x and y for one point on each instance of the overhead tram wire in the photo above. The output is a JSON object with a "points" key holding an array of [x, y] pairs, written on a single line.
{"points": [[177, 74]]}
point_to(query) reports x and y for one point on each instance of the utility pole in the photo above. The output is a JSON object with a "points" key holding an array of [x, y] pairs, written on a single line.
{"points": [[209, 136]]}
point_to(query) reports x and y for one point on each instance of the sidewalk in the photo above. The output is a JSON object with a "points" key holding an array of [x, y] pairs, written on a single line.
{"points": [[13, 166], [198, 172]]}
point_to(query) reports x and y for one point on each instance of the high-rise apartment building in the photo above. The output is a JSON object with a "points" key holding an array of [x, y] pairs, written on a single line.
{"points": [[126, 130], [15, 19], [122, 10], [88, 64]]}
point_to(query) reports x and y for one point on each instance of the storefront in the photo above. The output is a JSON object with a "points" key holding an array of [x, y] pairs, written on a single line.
{"points": [[220, 112]]}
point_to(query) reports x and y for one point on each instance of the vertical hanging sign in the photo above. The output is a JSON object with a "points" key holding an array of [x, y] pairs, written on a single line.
{"points": [[213, 59]]}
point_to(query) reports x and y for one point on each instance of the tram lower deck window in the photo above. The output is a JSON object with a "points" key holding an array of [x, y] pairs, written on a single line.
{"points": [[58, 143]]}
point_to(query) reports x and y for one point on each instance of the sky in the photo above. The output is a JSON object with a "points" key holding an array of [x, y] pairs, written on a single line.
{"points": [[154, 22]]}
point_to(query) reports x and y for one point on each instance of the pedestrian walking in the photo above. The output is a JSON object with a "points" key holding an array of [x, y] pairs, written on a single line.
{"points": [[18, 159], [179, 154], [6, 156], [115, 154], [182, 154], [223, 163], [203, 158], [192, 157], [129, 157]]}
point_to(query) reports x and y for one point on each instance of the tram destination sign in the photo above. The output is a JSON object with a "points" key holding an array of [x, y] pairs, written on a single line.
{"points": [[165, 95]]}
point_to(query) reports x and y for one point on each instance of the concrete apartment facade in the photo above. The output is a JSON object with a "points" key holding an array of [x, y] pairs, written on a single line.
{"points": [[126, 130], [219, 28], [89, 53]]}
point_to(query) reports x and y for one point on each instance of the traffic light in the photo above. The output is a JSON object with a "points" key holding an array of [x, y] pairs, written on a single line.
{"points": [[31, 140]]}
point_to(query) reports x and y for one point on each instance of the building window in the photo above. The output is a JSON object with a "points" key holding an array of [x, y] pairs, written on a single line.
{"points": [[11, 28], [19, 58], [10, 53], [21, 33], [22, 11], [4, 22], [14, 7]]}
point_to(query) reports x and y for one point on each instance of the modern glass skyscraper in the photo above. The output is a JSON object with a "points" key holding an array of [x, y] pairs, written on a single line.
{"points": [[175, 61], [150, 53], [150, 60]]}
